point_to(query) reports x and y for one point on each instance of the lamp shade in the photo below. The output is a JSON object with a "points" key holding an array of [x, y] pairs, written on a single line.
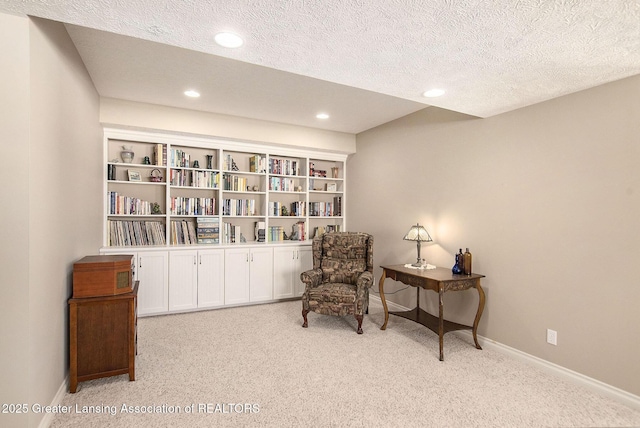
{"points": [[417, 233]]}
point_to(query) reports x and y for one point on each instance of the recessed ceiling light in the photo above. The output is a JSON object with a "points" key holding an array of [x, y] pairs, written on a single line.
{"points": [[191, 93], [431, 93], [228, 40], [322, 116]]}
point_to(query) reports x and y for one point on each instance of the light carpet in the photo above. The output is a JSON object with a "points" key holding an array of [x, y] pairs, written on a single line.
{"points": [[256, 366]]}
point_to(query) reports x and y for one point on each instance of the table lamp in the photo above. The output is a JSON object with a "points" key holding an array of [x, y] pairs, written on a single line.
{"points": [[419, 234]]}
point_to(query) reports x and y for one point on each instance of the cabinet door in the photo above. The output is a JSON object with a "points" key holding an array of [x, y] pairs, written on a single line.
{"points": [[284, 262], [304, 262], [152, 272], [183, 280], [236, 276], [261, 275], [210, 278]]}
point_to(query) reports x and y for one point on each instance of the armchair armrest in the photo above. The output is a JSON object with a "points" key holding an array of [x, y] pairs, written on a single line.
{"points": [[312, 278], [365, 280]]}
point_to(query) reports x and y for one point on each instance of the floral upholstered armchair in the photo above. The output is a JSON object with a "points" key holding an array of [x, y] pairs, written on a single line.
{"points": [[341, 276]]}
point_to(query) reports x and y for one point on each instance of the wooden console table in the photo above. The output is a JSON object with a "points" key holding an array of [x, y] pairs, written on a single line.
{"points": [[102, 339], [439, 280]]}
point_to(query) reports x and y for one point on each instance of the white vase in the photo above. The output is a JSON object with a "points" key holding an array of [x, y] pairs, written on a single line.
{"points": [[127, 154]]}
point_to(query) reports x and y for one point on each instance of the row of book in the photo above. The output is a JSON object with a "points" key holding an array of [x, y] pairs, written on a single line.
{"points": [[284, 166], [297, 209], [194, 178], [160, 155], [208, 230], [321, 230], [298, 233], [234, 182], [257, 163], [231, 233], [326, 209], [125, 233], [128, 205], [281, 184], [239, 207], [192, 206], [276, 233], [183, 232], [313, 172], [179, 158]]}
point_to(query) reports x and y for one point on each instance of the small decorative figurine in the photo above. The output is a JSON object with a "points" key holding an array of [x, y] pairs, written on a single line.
{"points": [[156, 175]]}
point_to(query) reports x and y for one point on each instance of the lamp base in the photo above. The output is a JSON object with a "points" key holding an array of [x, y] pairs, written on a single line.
{"points": [[417, 264]]}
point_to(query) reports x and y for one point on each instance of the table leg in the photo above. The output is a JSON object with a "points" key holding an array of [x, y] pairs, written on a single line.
{"points": [[384, 301], [441, 320], [478, 314]]}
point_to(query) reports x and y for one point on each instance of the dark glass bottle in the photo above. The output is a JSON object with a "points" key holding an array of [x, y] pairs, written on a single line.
{"points": [[457, 268], [467, 262]]}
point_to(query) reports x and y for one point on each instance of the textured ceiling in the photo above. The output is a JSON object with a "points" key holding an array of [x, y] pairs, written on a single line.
{"points": [[489, 56]]}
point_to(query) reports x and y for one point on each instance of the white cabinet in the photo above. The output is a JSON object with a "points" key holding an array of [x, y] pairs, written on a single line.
{"points": [[236, 276], [210, 278], [288, 264], [152, 272], [183, 280], [196, 279], [248, 275], [261, 274], [305, 262]]}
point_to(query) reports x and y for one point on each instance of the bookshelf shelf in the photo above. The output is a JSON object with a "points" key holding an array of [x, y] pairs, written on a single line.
{"points": [[207, 177]]}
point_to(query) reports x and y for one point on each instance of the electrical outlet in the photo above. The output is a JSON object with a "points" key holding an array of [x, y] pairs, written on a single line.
{"points": [[552, 337]]}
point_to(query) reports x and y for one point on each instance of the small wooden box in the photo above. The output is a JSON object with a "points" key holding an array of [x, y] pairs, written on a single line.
{"points": [[95, 276]]}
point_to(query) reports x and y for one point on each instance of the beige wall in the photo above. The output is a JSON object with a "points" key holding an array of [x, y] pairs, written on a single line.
{"points": [[547, 198], [65, 200], [52, 176], [138, 115], [14, 220]]}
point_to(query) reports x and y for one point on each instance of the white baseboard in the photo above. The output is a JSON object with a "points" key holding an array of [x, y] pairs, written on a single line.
{"points": [[595, 385], [57, 399]]}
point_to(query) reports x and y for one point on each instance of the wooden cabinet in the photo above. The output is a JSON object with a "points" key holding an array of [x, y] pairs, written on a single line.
{"points": [[248, 275], [288, 264], [102, 337]]}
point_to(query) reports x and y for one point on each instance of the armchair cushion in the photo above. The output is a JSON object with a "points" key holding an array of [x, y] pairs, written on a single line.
{"points": [[338, 270], [344, 257]]}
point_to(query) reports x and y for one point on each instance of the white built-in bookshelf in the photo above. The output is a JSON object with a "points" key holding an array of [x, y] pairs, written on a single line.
{"points": [[184, 190]]}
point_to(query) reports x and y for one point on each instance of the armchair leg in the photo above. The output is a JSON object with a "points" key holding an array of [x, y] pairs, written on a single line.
{"points": [[305, 324], [359, 318]]}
